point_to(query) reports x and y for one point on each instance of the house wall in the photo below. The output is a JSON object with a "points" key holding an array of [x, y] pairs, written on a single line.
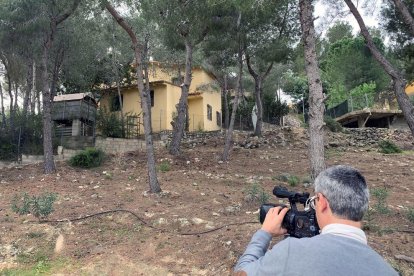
{"points": [[173, 97], [213, 99], [196, 113], [167, 95], [410, 89]]}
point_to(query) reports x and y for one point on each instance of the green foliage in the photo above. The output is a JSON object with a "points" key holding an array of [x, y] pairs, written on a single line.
{"points": [[110, 124], [39, 206], [410, 214], [164, 166], [283, 177], [332, 125], [22, 208], [255, 193], [388, 147], [293, 180], [30, 132], [88, 158], [351, 71], [380, 195], [273, 109]]}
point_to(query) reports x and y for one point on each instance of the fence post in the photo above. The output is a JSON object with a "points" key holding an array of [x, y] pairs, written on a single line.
{"points": [[352, 103]]}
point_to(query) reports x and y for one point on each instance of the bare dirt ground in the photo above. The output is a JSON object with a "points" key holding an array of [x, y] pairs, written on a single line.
{"points": [[199, 194]]}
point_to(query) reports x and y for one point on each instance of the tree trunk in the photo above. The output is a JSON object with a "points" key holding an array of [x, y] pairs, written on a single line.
{"points": [[16, 95], [180, 122], [258, 97], [226, 104], [399, 82], [3, 115], [32, 99], [144, 94], [49, 163], [28, 90], [316, 98], [229, 133], [47, 93], [9, 90], [406, 15], [258, 93]]}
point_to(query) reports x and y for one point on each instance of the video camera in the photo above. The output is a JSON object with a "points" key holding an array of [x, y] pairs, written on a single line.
{"points": [[298, 224]]}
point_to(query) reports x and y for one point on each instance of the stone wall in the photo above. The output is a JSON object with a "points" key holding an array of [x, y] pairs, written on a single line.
{"points": [[119, 145]]}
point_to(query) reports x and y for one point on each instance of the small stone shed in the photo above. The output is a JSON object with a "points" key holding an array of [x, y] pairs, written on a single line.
{"points": [[74, 116]]}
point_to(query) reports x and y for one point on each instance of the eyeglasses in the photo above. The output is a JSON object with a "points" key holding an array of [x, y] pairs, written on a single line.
{"points": [[310, 202]]}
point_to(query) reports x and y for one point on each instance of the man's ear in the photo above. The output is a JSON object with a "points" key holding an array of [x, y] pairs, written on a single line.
{"points": [[323, 203], [240, 273]]}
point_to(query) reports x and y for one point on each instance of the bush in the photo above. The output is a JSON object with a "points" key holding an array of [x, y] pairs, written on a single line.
{"points": [[381, 195], [39, 206], [164, 167], [110, 124], [332, 125], [388, 147], [293, 180], [410, 214], [256, 193], [88, 158]]}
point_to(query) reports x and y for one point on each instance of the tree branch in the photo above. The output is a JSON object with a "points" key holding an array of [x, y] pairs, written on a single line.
{"points": [[406, 15], [67, 13], [121, 22]]}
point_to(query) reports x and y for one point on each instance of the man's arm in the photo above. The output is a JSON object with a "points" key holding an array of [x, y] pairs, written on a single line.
{"points": [[254, 258], [256, 249]]}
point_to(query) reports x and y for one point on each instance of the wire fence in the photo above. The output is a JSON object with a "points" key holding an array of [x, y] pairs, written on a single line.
{"points": [[352, 104]]}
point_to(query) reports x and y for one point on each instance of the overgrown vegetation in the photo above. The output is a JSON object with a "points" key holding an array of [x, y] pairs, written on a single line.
{"points": [[410, 214], [164, 166], [88, 158], [24, 138], [110, 124], [292, 180], [380, 195], [39, 206], [255, 193], [332, 125], [388, 147]]}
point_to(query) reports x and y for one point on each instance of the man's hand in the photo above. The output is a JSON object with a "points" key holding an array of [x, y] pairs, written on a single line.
{"points": [[273, 221]]}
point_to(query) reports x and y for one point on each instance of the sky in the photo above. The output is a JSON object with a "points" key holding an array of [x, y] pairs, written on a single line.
{"points": [[369, 14]]}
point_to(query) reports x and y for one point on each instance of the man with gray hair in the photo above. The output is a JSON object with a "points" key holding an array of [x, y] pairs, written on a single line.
{"points": [[340, 202]]}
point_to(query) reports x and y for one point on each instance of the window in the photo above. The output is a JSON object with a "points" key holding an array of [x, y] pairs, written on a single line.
{"points": [[116, 104], [218, 118], [152, 98], [209, 113]]}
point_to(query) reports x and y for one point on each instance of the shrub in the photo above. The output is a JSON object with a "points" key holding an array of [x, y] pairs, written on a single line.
{"points": [[293, 180], [332, 125], [39, 206], [110, 124], [164, 167], [89, 158], [256, 193], [388, 147], [410, 214], [381, 195]]}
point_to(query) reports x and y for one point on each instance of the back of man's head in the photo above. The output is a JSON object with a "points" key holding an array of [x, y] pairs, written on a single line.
{"points": [[346, 191]]}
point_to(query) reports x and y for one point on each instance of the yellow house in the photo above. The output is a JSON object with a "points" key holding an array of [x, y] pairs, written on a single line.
{"points": [[410, 89], [204, 101]]}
